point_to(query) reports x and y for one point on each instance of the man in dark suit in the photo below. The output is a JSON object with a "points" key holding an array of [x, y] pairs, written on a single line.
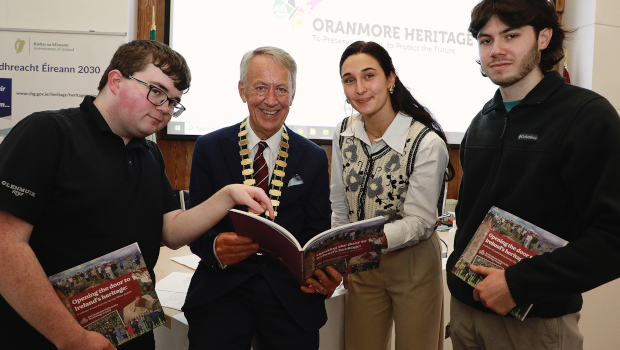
{"points": [[236, 293]]}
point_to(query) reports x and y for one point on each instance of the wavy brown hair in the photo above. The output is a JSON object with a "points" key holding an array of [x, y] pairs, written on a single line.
{"points": [[134, 56], [539, 14]]}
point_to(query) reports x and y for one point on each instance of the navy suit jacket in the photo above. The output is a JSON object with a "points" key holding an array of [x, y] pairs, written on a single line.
{"points": [[304, 211]]}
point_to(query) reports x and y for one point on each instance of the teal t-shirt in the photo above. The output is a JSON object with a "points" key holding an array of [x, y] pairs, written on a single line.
{"points": [[510, 105]]}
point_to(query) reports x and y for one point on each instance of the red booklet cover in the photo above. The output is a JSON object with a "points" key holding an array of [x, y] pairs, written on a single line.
{"points": [[113, 295], [502, 240], [350, 248]]}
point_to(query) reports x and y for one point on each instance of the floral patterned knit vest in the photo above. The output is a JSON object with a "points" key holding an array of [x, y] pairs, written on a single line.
{"points": [[376, 184]]}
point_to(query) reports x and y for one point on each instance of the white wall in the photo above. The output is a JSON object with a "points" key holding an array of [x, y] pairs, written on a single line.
{"points": [[606, 73], [593, 51], [132, 20], [593, 63], [78, 15]]}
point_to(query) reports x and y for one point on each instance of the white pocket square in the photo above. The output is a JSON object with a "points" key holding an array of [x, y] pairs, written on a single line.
{"points": [[296, 180]]}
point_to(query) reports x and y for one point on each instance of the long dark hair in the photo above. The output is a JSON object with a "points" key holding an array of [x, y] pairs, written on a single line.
{"points": [[401, 99]]}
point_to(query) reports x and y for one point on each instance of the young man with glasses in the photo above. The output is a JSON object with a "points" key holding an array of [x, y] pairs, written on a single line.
{"points": [[82, 182], [158, 97]]}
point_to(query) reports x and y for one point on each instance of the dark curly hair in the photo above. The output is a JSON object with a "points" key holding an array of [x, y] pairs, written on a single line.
{"points": [[539, 14], [401, 99], [134, 56]]}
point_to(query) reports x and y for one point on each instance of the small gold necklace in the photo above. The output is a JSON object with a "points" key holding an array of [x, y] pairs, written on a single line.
{"points": [[369, 132]]}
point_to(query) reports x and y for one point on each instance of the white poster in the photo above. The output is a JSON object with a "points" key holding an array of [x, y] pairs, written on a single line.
{"points": [[49, 71]]}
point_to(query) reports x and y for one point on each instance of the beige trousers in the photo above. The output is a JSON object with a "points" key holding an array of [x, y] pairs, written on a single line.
{"points": [[406, 290], [476, 330]]}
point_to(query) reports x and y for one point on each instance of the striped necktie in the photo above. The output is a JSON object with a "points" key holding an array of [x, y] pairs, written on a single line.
{"points": [[261, 172]]}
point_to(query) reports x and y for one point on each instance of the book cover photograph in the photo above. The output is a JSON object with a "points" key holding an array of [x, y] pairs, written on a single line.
{"points": [[502, 240], [351, 248], [113, 295]]}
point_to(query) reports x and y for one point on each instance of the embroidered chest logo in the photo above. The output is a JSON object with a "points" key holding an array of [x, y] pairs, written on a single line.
{"points": [[528, 137], [16, 190]]}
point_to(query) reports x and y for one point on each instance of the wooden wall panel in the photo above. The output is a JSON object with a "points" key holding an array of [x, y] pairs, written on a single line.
{"points": [[178, 160], [145, 16], [453, 186], [559, 8]]}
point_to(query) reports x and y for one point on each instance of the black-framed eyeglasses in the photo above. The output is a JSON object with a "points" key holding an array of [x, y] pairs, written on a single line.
{"points": [[158, 97]]}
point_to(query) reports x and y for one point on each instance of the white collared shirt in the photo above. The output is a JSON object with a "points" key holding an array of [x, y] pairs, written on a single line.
{"points": [[420, 207], [270, 153]]}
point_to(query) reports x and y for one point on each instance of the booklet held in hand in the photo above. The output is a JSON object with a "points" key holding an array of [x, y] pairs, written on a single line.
{"points": [[350, 248], [113, 294], [502, 240]]}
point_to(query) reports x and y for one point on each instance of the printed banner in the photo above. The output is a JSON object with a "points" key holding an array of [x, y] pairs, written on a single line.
{"points": [[48, 71]]}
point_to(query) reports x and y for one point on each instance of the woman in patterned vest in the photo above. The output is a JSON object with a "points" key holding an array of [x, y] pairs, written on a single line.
{"points": [[391, 159]]}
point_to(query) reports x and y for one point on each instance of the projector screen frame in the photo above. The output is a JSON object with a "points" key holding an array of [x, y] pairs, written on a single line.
{"points": [[453, 137]]}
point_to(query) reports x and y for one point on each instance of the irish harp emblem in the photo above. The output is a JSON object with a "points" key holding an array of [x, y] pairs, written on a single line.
{"points": [[19, 45]]}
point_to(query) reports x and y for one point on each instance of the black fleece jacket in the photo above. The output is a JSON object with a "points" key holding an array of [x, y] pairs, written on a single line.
{"points": [[553, 160]]}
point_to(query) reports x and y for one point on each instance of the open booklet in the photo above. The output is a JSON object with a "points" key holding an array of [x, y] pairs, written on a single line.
{"points": [[350, 248], [502, 240], [113, 295]]}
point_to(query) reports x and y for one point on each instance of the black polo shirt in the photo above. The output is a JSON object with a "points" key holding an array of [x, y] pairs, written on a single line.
{"points": [[83, 190]]}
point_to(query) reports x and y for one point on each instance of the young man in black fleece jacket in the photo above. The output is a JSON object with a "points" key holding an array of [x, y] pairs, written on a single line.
{"points": [[547, 152]]}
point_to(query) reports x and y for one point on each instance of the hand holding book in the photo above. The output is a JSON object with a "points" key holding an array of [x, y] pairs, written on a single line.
{"points": [[325, 283], [493, 290], [231, 248]]}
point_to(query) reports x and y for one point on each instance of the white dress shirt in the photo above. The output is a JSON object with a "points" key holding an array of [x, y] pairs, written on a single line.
{"points": [[270, 154], [420, 207]]}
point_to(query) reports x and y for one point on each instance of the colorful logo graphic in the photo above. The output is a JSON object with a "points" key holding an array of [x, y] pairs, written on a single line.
{"points": [[325, 132], [19, 45], [300, 131], [295, 11], [5, 97]]}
